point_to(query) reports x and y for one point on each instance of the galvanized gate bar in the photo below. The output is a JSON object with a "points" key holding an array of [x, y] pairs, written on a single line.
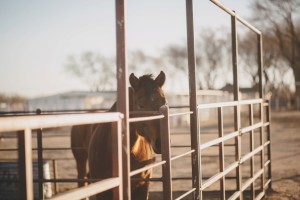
{"points": [[251, 114], [193, 98], [261, 95], [221, 153], [8, 124], [25, 164], [91, 189], [122, 90], [183, 154], [117, 159], [186, 194], [148, 118], [218, 176], [137, 171], [236, 94], [40, 159], [218, 140], [268, 118], [166, 153]]}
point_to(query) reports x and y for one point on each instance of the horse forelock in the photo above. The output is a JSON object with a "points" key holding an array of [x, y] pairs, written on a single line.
{"points": [[148, 84]]}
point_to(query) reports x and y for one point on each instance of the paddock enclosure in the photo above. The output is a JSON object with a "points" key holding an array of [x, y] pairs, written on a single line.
{"points": [[229, 156]]}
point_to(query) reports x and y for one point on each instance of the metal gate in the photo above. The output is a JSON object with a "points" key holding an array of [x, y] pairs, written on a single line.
{"points": [[200, 183]]}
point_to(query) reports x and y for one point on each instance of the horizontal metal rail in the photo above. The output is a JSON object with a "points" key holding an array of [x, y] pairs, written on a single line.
{"points": [[217, 105], [251, 180], [229, 103], [186, 194], [184, 154], [219, 140], [252, 153], [181, 113], [135, 114], [132, 173], [91, 189], [253, 127], [260, 195], [232, 13], [48, 121], [234, 195], [250, 101], [217, 176], [148, 118]]}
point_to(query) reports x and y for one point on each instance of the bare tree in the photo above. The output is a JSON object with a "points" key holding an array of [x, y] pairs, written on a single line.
{"points": [[248, 57], [96, 70], [213, 49], [99, 71], [281, 20]]}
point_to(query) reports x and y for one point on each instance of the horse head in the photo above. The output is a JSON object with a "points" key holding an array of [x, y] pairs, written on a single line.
{"points": [[148, 96]]}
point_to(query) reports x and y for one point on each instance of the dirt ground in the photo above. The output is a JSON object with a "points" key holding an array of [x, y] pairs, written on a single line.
{"points": [[285, 128], [285, 144]]}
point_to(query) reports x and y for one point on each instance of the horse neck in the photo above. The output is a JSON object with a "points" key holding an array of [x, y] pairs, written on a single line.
{"points": [[140, 147]]}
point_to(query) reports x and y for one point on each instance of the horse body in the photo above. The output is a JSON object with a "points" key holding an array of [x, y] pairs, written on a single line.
{"points": [[80, 139], [144, 137]]}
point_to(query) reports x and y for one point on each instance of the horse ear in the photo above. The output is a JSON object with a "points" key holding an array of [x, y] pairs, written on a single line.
{"points": [[160, 79], [134, 81]]}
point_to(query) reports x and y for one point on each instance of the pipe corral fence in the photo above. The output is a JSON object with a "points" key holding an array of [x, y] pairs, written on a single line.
{"points": [[256, 156]]}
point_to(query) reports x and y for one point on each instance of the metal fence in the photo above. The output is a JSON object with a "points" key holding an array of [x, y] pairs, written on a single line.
{"points": [[26, 124], [200, 183]]}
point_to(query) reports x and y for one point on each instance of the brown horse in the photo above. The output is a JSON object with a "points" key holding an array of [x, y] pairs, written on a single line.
{"points": [[80, 139], [144, 137]]}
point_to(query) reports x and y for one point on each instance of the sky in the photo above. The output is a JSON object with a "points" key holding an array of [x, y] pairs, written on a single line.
{"points": [[37, 37]]}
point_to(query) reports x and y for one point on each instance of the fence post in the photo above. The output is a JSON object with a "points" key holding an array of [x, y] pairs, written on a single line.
{"points": [[268, 119], [261, 95], [40, 159], [166, 153], [236, 94], [122, 92], [55, 176], [117, 157], [221, 153], [251, 119], [25, 164], [195, 143]]}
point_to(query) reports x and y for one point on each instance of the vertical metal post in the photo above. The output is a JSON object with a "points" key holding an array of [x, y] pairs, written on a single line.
{"points": [[117, 157], [55, 175], [236, 94], [40, 159], [261, 95], [251, 150], [195, 143], [166, 153], [25, 164], [260, 64], [268, 118], [221, 153], [122, 94]]}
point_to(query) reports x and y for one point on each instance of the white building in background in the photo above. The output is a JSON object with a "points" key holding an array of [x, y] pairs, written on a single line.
{"points": [[75, 100]]}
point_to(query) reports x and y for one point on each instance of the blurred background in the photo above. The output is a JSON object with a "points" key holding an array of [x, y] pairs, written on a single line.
{"points": [[61, 54]]}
